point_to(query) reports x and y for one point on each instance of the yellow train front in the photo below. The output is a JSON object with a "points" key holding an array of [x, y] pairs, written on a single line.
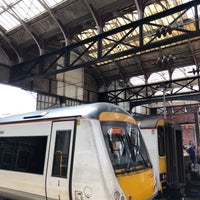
{"points": [[129, 156], [88, 152], [163, 139]]}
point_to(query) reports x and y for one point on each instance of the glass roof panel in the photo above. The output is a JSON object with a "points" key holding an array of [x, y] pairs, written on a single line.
{"points": [[27, 10], [183, 72], [178, 73], [149, 29], [159, 77], [7, 21], [22, 10], [52, 3], [190, 12], [137, 80]]}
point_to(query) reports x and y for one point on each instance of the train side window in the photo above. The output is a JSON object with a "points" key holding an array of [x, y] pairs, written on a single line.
{"points": [[161, 141], [61, 153], [24, 154]]}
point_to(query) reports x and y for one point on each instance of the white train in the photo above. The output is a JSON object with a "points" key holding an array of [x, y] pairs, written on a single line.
{"points": [[92, 152]]}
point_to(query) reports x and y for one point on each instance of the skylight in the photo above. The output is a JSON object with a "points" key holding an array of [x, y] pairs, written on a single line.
{"points": [[137, 80], [156, 77], [12, 12], [159, 77], [190, 12], [184, 72]]}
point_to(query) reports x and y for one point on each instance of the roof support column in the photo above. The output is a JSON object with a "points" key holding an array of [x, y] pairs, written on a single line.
{"points": [[60, 25], [96, 18], [99, 29], [19, 57], [140, 4]]}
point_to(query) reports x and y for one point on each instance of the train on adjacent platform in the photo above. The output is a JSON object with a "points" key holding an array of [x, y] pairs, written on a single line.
{"points": [[163, 139], [93, 151]]}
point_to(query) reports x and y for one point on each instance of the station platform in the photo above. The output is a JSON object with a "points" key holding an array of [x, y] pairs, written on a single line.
{"points": [[192, 189]]}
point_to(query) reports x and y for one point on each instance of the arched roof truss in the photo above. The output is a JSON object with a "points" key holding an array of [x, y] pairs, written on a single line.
{"points": [[101, 33]]}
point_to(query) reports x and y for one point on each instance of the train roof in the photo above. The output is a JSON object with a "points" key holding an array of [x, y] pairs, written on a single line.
{"points": [[147, 121], [152, 121], [92, 110]]}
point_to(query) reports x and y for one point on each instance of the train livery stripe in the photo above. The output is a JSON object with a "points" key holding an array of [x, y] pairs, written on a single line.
{"points": [[108, 116]]}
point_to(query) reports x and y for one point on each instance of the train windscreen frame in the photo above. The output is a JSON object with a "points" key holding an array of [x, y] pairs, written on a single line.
{"points": [[125, 146]]}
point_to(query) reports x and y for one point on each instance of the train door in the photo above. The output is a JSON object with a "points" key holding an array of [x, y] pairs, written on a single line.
{"points": [[58, 175], [174, 152], [162, 157]]}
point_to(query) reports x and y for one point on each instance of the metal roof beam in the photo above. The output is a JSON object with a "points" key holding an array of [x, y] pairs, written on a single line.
{"points": [[60, 25], [137, 95], [106, 54], [95, 16], [20, 59]]}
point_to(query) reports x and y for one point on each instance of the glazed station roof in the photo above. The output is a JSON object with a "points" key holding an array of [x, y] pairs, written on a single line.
{"points": [[31, 28]]}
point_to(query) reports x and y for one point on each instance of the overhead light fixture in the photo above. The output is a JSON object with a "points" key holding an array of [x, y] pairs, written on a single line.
{"points": [[163, 30], [166, 60], [194, 71]]}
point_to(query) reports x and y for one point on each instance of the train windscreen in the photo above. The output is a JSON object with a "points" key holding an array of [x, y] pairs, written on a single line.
{"points": [[125, 146]]}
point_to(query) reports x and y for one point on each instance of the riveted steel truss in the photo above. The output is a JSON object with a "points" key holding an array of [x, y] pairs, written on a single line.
{"points": [[180, 89], [104, 47]]}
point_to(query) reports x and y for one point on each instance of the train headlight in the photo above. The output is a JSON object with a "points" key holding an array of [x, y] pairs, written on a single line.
{"points": [[116, 195], [129, 197], [88, 192], [122, 197]]}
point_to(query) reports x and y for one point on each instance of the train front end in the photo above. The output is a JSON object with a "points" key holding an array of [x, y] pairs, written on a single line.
{"points": [[128, 156]]}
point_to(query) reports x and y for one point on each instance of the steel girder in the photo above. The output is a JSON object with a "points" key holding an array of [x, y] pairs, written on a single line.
{"points": [[146, 94], [41, 67]]}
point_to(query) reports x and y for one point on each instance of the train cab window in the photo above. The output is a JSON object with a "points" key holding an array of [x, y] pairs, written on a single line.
{"points": [[161, 141], [24, 154], [61, 153], [125, 147]]}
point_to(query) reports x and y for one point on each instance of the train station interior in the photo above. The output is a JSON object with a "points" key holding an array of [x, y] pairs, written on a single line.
{"points": [[142, 55]]}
